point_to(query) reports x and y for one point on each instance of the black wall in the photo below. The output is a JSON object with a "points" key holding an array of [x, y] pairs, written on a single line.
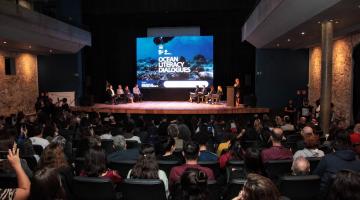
{"points": [[112, 56], [279, 73]]}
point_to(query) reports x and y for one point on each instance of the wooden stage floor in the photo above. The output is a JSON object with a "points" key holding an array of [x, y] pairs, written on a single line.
{"points": [[169, 107]]}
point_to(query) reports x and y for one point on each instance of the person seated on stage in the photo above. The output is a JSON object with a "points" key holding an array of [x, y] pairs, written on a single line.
{"points": [[217, 95], [210, 94], [137, 93], [119, 93], [110, 94], [202, 93], [128, 94], [195, 95]]}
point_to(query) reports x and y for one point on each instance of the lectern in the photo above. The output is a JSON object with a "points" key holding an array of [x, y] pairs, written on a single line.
{"points": [[230, 96]]}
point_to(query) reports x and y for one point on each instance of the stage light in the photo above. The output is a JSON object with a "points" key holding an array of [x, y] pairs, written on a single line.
{"points": [[289, 40], [4, 42], [50, 50], [30, 46], [302, 33], [277, 44]]}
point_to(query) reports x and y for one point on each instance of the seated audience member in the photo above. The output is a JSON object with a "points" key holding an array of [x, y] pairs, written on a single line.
{"points": [[105, 131], [147, 167], [137, 93], [346, 186], [168, 150], [287, 126], [252, 164], [36, 138], [301, 123], [235, 152], [129, 96], [277, 151], [173, 131], [311, 142], [195, 95], [209, 95], [184, 130], [343, 158], [193, 185], [129, 133], [121, 153], [95, 166], [306, 131], [23, 190], [225, 145], [355, 141], [257, 133], [202, 139], [300, 166], [258, 187], [46, 184], [190, 153]]}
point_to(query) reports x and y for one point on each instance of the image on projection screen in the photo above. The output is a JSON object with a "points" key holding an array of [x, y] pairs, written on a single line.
{"points": [[174, 62]]}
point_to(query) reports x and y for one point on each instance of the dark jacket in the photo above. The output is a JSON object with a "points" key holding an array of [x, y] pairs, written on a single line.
{"points": [[333, 163]]}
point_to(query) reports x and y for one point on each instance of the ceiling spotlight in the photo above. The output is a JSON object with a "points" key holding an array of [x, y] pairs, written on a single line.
{"points": [[302, 33], [29, 46], [4, 42], [319, 22], [336, 22], [50, 50], [331, 20], [289, 40], [359, 6], [277, 44]]}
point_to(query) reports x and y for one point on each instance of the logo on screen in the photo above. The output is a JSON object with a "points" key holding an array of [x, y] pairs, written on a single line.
{"points": [[169, 63]]}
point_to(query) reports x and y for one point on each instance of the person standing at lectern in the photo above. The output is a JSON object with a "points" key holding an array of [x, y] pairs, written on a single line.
{"points": [[237, 92]]}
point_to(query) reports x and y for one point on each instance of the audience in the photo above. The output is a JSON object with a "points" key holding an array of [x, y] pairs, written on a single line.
{"points": [[191, 154], [311, 142], [258, 187], [168, 149], [23, 190], [346, 186], [193, 185], [277, 151], [300, 166], [202, 139], [235, 152], [147, 167], [343, 158], [121, 152], [37, 136], [173, 132], [287, 126], [95, 166]]}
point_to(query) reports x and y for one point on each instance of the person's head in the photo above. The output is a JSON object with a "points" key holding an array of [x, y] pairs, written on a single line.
{"points": [[173, 130], [194, 185], [53, 156], [136, 85], [64, 100], [300, 166], [219, 88], [211, 87], [252, 160], [146, 166], [237, 81], [311, 141], [36, 130], [259, 188], [346, 186], [119, 142], [201, 138], [342, 140], [110, 86], [276, 135], [168, 145], [95, 162], [307, 130], [290, 102], [46, 185], [235, 149], [278, 120], [191, 151], [120, 86], [357, 128], [302, 120], [287, 119], [126, 87]]}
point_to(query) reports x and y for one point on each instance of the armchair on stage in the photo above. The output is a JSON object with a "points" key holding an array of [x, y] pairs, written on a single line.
{"points": [[201, 95]]}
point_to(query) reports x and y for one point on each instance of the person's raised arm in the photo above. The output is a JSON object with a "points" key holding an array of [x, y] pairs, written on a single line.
{"points": [[23, 190]]}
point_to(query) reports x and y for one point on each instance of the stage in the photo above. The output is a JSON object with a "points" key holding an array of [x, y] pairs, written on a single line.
{"points": [[169, 107]]}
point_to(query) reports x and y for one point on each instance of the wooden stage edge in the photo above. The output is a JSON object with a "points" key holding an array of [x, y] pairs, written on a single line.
{"points": [[169, 107]]}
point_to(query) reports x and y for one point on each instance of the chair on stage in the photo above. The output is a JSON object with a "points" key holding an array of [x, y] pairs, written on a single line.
{"points": [[194, 97], [215, 98]]}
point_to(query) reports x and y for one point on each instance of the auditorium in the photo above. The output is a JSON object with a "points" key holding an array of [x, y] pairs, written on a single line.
{"points": [[180, 100]]}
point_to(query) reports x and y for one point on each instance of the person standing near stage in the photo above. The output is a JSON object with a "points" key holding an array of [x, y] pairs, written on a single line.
{"points": [[110, 94], [128, 94], [137, 93], [237, 92]]}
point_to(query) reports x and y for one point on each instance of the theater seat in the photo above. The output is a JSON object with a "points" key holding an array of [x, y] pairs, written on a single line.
{"points": [[214, 165], [8, 180], [122, 167], [93, 188], [140, 189], [166, 165], [277, 168], [300, 187], [234, 187]]}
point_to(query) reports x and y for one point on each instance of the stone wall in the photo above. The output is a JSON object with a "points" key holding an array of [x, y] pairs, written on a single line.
{"points": [[342, 75], [19, 92]]}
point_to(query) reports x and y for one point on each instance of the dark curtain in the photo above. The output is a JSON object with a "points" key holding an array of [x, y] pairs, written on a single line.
{"points": [[356, 84]]}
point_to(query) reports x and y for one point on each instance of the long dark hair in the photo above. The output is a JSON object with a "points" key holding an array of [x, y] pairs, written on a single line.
{"points": [[95, 162], [146, 166], [193, 185], [345, 186], [46, 185]]}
